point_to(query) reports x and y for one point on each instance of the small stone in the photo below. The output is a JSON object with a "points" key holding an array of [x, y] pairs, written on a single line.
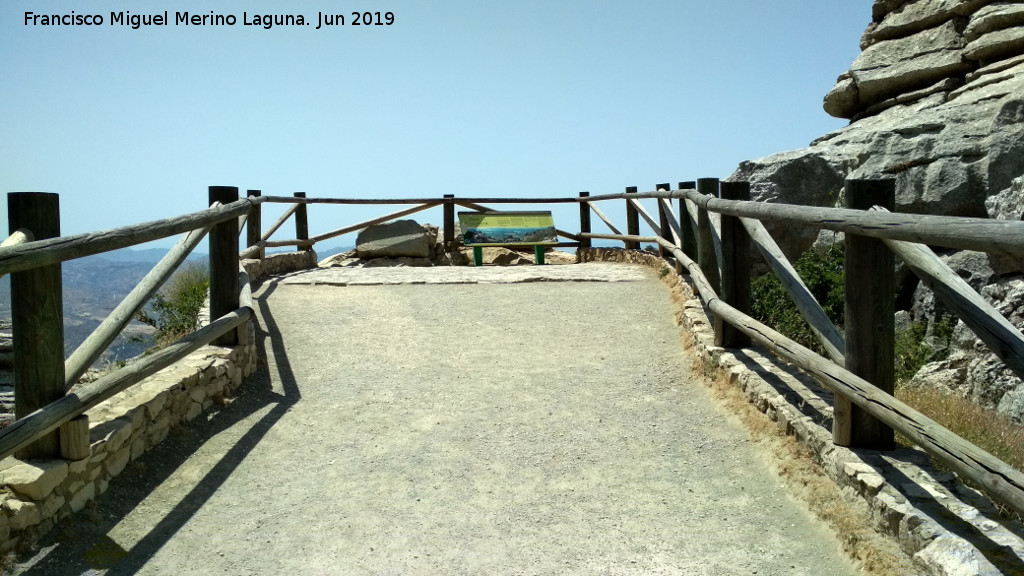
{"points": [[35, 480], [22, 514], [80, 498]]}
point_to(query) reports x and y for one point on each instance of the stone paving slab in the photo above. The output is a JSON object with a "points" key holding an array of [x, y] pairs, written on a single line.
{"points": [[594, 272], [590, 272]]}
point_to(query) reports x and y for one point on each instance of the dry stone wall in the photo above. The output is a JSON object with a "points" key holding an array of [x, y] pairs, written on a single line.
{"points": [[34, 495]]}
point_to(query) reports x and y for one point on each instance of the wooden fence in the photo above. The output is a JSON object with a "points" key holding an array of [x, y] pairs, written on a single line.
{"points": [[709, 235]]}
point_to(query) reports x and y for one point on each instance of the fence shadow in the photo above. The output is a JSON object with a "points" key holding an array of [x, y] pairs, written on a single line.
{"points": [[82, 544]]}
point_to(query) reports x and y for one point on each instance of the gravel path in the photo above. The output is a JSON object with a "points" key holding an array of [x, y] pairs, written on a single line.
{"points": [[539, 428]]}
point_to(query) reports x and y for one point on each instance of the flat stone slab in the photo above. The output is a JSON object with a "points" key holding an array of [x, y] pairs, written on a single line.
{"points": [[589, 272]]}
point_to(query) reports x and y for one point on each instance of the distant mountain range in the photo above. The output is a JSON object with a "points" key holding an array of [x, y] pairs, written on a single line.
{"points": [[93, 286]]}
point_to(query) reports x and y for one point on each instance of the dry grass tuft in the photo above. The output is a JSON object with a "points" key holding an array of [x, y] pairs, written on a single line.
{"points": [[996, 433], [806, 481]]}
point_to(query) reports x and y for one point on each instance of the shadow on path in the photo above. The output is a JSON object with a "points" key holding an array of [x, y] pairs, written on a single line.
{"points": [[81, 544]]}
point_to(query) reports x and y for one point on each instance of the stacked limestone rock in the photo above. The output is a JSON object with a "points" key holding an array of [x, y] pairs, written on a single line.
{"points": [[936, 101]]}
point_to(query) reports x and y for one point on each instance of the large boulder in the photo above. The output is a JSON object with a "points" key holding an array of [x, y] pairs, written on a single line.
{"points": [[401, 238], [936, 101]]}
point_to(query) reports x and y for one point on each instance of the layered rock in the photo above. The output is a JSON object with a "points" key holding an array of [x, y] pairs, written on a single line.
{"points": [[936, 101], [401, 238]]}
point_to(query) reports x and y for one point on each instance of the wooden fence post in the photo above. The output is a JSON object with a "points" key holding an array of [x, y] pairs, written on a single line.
{"points": [[224, 264], [632, 220], [254, 225], [449, 222], [666, 231], [301, 222], [735, 268], [585, 221], [37, 319], [706, 258], [870, 319], [689, 237]]}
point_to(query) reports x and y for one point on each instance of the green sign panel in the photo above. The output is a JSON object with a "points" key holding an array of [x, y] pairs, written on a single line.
{"points": [[503, 228]]}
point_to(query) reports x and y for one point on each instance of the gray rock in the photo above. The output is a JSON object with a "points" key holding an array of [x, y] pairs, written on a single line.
{"points": [[994, 17], [913, 17], [395, 240], [808, 177], [889, 67], [1008, 204], [997, 45]]}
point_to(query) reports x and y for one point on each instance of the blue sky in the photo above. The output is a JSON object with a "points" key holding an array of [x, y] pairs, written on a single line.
{"points": [[477, 98]]}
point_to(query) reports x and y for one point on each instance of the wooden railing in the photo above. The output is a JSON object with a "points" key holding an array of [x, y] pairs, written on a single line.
{"points": [[709, 235], [42, 375]]}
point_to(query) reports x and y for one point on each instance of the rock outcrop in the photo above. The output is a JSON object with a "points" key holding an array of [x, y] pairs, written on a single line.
{"points": [[936, 101], [401, 238]]}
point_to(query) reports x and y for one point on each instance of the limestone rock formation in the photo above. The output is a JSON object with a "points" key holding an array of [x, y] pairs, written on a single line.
{"points": [[401, 238], [936, 101]]}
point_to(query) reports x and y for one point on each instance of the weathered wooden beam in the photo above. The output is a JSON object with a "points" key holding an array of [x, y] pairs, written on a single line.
{"points": [[449, 221], [51, 251], [735, 268], [289, 200], [584, 220], [301, 219], [50, 417], [819, 322], [224, 263], [1002, 338], [371, 222], [687, 224], [74, 438], [254, 229], [607, 221], [643, 213], [280, 221], [666, 231], [108, 330], [632, 219], [707, 189], [870, 291], [17, 237], [979, 234], [474, 206], [37, 319]]}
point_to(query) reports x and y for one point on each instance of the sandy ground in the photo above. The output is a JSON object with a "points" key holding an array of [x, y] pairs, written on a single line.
{"points": [[540, 428]]}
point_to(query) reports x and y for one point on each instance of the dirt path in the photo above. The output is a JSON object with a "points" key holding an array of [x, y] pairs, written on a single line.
{"points": [[540, 428]]}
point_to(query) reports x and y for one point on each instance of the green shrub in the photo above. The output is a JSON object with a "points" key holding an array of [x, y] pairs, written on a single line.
{"points": [[914, 350], [174, 311], [823, 274]]}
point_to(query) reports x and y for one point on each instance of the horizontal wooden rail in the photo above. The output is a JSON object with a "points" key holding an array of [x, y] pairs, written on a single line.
{"points": [[51, 251], [979, 234], [1005, 340], [378, 220], [819, 322], [997, 478], [93, 346], [25, 430], [289, 199], [253, 250]]}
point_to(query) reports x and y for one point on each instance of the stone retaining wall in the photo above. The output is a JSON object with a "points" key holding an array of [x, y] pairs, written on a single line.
{"points": [[948, 528], [35, 495]]}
